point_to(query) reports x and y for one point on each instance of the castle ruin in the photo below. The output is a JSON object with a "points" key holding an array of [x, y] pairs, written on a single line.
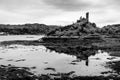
{"points": [[87, 16], [86, 19]]}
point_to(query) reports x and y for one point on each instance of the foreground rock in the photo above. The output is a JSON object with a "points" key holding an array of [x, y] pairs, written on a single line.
{"points": [[23, 73]]}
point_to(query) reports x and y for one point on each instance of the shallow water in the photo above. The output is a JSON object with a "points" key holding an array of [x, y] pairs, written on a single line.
{"points": [[42, 60], [19, 37]]}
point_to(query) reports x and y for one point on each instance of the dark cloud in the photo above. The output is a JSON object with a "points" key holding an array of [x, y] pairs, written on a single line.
{"points": [[68, 5]]}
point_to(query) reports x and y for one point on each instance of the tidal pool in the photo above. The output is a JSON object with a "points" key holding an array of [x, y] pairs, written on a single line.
{"points": [[55, 59]]}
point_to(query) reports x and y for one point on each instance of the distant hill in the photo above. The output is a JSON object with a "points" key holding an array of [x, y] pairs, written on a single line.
{"points": [[111, 29], [27, 29]]}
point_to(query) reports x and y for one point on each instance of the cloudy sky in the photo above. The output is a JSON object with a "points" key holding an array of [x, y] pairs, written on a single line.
{"points": [[60, 12]]}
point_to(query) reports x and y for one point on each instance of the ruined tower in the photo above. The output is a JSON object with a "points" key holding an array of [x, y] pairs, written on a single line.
{"points": [[87, 16]]}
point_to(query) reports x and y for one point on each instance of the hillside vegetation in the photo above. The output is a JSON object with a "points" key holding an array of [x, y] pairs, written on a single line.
{"points": [[84, 27], [111, 29], [27, 29], [80, 28]]}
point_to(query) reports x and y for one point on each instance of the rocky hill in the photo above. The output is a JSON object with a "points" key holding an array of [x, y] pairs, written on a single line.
{"points": [[81, 27]]}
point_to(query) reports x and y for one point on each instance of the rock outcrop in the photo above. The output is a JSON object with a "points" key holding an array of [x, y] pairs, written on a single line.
{"points": [[81, 27]]}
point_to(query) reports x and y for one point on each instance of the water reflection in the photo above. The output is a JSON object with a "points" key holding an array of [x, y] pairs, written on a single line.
{"points": [[80, 53], [85, 52]]}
